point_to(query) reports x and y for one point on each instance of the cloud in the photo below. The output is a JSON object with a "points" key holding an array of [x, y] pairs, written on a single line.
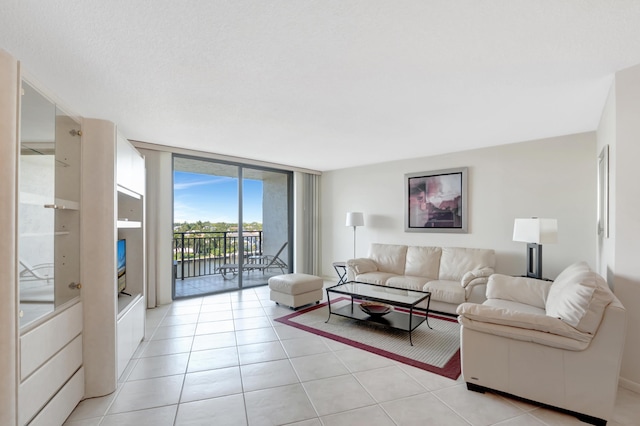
{"points": [[191, 213], [199, 182]]}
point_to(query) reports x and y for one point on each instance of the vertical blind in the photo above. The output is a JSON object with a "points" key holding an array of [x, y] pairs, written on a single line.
{"points": [[310, 232]]}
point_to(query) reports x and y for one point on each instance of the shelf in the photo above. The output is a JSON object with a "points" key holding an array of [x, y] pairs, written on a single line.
{"points": [[31, 199], [44, 234], [123, 190], [394, 319], [125, 223], [126, 302], [68, 205]]}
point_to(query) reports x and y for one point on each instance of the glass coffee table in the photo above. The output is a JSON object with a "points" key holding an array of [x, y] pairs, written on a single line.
{"points": [[392, 297]]}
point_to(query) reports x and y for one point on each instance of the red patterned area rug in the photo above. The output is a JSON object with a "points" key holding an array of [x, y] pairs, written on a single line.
{"points": [[436, 350]]}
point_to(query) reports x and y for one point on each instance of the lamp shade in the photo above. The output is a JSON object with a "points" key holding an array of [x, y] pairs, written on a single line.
{"points": [[536, 230], [355, 219]]}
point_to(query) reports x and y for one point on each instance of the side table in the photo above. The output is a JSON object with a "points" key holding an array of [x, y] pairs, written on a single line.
{"points": [[341, 270]]}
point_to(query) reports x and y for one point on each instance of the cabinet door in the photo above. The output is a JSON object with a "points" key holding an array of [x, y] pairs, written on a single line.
{"points": [[130, 167], [67, 220], [49, 203]]}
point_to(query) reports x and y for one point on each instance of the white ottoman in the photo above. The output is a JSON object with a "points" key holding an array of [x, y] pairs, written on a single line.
{"points": [[295, 290]]}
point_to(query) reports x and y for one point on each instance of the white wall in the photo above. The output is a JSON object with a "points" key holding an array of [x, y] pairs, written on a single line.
{"points": [[553, 177], [606, 135], [275, 214], [624, 247]]}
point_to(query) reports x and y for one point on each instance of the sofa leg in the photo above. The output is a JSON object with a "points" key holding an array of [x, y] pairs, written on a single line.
{"points": [[591, 420], [582, 417], [476, 388]]}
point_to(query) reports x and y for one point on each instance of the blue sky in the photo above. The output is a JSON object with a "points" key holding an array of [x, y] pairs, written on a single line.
{"points": [[214, 198]]}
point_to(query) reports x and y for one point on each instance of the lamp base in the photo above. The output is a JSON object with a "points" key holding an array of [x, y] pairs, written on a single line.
{"points": [[534, 260]]}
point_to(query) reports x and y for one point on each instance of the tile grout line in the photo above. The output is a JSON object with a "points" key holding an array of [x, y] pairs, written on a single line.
{"points": [[186, 368]]}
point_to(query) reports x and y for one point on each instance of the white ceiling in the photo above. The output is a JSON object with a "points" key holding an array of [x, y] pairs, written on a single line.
{"points": [[327, 84]]}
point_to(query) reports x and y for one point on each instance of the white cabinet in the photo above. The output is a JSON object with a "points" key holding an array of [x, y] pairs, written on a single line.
{"points": [[51, 354], [9, 87], [130, 167], [114, 197], [130, 331], [49, 176], [41, 321]]}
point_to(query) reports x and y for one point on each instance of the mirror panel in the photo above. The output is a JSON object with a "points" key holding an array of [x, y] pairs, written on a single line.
{"points": [[48, 211]]}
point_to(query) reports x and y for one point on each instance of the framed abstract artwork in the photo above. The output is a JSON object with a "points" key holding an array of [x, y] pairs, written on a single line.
{"points": [[436, 201]]}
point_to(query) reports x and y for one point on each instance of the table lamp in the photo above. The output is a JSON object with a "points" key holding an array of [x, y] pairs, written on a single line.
{"points": [[535, 232]]}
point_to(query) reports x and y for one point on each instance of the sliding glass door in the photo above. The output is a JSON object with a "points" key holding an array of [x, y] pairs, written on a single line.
{"points": [[232, 225], [266, 219]]}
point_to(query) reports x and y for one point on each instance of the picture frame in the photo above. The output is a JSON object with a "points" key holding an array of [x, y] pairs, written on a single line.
{"points": [[603, 192], [436, 201]]}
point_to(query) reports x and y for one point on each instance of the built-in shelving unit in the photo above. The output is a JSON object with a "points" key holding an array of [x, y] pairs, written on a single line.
{"points": [[64, 206], [114, 198], [41, 327], [49, 207], [130, 199]]}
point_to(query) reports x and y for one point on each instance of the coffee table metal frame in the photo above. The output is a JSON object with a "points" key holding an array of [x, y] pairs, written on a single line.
{"points": [[394, 296]]}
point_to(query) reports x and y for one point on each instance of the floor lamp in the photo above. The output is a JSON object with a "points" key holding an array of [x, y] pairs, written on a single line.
{"points": [[355, 219], [535, 232]]}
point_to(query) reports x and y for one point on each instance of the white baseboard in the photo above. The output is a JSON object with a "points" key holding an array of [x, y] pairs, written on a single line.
{"points": [[628, 384]]}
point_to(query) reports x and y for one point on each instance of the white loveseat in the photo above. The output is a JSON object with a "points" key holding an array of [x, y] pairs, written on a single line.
{"points": [[453, 275], [559, 344]]}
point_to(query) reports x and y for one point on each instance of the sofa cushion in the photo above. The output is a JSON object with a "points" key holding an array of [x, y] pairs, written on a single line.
{"points": [[423, 262], [579, 297], [389, 257], [295, 284], [408, 282], [516, 306], [374, 277], [445, 291], [456, 261], [529, 291]]}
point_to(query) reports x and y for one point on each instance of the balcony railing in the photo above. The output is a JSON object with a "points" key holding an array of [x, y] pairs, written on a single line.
{"points": [[202, 253]]}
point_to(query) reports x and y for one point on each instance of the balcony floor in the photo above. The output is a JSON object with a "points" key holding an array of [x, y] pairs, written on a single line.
{"points": [[210, 284]]}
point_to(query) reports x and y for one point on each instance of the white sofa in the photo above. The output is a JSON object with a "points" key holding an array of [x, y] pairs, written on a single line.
{"points": [[559, 344], [453, 275]]}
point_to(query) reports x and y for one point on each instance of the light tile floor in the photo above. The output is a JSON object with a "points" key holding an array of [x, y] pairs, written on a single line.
{"points": [[221, 360]]}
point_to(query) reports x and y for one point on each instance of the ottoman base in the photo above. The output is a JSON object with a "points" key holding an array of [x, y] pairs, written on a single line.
{"points": [[295, 290], [296, 301]]}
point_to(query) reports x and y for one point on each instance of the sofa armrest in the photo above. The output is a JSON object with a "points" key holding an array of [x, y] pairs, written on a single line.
{"points": [[529, 291], [521, 320], [360, 266], [477, 276], [522, 334]]}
